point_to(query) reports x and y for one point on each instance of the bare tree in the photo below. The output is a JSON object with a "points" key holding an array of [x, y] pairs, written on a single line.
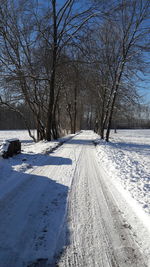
{"points": [[33, 42], [117, 55], [130, 16]]}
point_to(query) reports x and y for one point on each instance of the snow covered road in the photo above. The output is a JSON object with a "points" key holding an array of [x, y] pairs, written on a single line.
{"points": [[67, 205], [100, 235]]}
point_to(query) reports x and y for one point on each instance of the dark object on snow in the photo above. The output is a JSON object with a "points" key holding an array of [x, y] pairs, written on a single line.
{"points": [[10, 147]]}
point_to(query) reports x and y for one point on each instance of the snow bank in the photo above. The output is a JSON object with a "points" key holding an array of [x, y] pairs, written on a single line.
{"points": [[127, 160]]}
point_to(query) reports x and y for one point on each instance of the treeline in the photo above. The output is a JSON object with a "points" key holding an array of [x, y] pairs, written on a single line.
{"points": [[10, 119], [72, 64], [137, 117]]}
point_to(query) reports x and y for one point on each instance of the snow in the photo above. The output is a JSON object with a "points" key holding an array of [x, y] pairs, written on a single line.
{"points": [[4, 147], [103, 225], [80, 197], [31, 153], [19, 134], [33, 197], [127, 160]]}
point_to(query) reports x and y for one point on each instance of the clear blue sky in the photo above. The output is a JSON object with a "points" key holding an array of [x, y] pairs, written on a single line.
{"points": [[144, 90]]}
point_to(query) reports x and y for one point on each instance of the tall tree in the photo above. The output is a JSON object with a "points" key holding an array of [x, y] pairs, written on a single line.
{"points": [[33, 41]]}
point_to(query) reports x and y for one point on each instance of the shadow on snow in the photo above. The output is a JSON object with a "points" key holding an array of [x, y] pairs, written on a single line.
{"points": [[132, 147], [80, 142], [40, 159], [33, 214]]}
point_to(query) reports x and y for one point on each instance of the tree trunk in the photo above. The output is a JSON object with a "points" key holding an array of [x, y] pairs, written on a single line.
{"points": [[102, 133], [102, 120], [52, 82], [110, 116], [75, 109]]}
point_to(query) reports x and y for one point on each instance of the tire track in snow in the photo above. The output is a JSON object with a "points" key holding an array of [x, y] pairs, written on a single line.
{"points": [[99, 235]]}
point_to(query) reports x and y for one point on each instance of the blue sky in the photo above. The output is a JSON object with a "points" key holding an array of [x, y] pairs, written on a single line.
{"points": [[144, 90]]}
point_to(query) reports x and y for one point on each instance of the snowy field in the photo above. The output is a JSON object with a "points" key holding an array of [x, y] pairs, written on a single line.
{"points": [[126, 159], [21, 134]]}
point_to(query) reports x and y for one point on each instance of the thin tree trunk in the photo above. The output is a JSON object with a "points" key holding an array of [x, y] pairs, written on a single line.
{"points": [[110, 116], [75, 109], [52, 82], [102, 121]]}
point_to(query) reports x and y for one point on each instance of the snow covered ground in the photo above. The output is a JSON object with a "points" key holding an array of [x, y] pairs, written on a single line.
{"points": [[126, 159], [73, 199], [33, 197], [31, 154], [21, 134]]}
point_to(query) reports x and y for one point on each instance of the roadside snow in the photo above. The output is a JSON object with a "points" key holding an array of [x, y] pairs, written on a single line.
{"points": [[126, 159], [34, 188], [29, 158], [31, 153]]}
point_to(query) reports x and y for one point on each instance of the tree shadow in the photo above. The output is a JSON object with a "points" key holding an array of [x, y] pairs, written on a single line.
{"points": [[33, 211], [39, 159], [86, 142], [132, 147]]}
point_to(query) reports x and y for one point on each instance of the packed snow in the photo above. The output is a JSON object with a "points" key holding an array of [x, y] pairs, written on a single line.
{"points": [[126, 158], [73, 200]]}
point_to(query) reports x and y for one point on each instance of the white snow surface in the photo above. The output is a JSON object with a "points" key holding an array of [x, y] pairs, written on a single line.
{"points": [[76, 197], [31, 154], [33, 195], [3, 147], [19, 134], [126, 159]]}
